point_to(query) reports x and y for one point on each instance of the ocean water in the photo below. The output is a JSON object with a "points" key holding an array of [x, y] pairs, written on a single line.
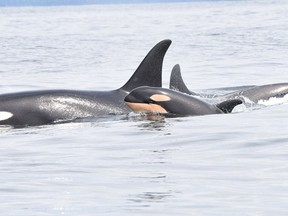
{"points": [[232, 164]]}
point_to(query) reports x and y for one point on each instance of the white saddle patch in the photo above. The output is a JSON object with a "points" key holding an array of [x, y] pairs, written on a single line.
{"points": [[5, 115]]}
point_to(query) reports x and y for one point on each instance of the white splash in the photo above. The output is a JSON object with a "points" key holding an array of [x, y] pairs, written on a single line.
{"points": [[274, 101], [5, 115], [239, 108]]}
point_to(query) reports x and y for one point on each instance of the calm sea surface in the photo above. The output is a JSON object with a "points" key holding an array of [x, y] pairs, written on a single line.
{"points": [[234, 164]]}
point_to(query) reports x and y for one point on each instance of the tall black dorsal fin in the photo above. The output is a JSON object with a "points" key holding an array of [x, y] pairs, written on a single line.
{"points": [[228, 106], [149, 72], [176, 81]]}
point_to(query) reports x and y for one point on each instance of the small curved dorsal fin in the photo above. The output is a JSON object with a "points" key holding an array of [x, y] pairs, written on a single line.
{"points": [[176, 81], [228, 105], [149, 72]]}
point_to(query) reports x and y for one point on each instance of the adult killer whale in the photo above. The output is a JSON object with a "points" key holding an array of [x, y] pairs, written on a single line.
{"points": [[252, 93], [167, 101], [50, 106]]}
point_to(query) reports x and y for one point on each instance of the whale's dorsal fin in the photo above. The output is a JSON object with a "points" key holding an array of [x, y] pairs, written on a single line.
{"points": [[149, 72], [176, 81], [228, 106]]}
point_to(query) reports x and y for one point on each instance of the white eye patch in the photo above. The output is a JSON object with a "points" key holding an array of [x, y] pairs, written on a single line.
{"points": [[159, 97], [5, 115]]}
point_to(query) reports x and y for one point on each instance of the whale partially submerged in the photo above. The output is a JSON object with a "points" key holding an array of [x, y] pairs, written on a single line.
{"points": [[252, 93], [49, 106], [166, 101]]}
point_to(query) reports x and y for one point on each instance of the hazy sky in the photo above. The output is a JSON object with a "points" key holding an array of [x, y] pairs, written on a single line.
{"points": [[76, 2]]}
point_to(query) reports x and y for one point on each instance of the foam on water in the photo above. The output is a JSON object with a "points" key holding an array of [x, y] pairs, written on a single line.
{"points": [[274, 101]]}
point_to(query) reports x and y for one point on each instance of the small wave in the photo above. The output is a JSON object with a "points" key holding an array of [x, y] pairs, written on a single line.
{"points": [[274, 101], [233, 88]]}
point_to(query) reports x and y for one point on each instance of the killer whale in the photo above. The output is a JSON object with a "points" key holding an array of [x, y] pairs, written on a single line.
{"points": [[167, 101], [252, 93], [260, 93], [49, 106], [177, 83]]}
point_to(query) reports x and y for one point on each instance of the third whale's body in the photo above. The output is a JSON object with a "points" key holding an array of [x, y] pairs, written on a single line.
{"points": [[252, 93]]}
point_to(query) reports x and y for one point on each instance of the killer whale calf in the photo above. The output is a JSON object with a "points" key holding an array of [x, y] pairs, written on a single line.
{"points": [[167, 101], [252, 93], [50, 106]]}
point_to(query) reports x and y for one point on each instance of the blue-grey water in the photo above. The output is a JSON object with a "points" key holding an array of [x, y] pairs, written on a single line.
{"points": [[234, 164]]}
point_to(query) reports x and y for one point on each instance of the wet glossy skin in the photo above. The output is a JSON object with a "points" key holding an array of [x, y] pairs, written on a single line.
{"points": [[252, 93], [44, 107], [161, 100]]}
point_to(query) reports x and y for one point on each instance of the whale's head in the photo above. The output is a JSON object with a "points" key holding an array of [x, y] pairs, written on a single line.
{"points": [[148, 99]]}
